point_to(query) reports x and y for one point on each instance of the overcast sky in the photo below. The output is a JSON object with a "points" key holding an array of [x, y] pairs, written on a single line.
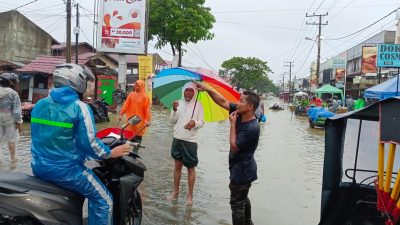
{"points": [[273, 31]]}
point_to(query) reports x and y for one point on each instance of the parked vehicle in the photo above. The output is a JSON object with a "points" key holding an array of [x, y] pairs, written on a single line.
{"points": [[317, 116], [100, 110], [28, 200], [360, 184], [276, 106], [300, 110]]}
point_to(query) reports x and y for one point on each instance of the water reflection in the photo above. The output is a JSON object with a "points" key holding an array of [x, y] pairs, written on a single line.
{"points": [[289, 157]]}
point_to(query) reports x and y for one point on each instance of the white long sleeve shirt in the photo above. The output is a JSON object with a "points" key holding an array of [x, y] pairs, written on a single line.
{"points": [[183, 115]]}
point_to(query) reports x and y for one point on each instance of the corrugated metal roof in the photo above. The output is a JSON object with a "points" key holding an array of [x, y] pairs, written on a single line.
{"points": [[47, 64]]}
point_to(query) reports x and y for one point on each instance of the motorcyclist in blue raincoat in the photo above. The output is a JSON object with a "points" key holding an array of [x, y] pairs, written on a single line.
{"points": [[63, 138]]}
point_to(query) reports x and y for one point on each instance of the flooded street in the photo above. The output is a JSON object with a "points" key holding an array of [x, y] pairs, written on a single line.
{"points": [[287, 192]]}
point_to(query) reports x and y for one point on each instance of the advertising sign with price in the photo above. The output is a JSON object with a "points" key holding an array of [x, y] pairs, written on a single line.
{"points": [[122, 26]]}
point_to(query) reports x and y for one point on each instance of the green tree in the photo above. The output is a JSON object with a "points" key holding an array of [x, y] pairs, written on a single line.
{"points": [[248, 73], [178, 22]]}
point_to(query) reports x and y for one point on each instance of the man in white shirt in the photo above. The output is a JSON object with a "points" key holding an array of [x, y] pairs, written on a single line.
{"points": [[188, 117]]}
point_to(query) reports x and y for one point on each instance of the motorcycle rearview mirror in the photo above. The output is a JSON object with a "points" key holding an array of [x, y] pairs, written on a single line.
{"points": [[134, 120]]}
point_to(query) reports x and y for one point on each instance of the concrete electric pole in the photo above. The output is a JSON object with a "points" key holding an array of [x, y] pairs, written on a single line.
{"points": [[76, 31], [319, 24], [68, 53], [290, 65], [397, 40]]}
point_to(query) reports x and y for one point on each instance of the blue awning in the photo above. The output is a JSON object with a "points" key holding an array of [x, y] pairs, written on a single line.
{"points": [[387, 89]]}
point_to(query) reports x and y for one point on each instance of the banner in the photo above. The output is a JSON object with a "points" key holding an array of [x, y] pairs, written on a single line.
{"points": [[388, 55], [145, 67], [340, 74], [146, 73], [122, 26], [368, 63]]}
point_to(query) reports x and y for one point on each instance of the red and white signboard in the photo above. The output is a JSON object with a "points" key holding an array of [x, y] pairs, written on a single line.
{"points": [[122, 26]]}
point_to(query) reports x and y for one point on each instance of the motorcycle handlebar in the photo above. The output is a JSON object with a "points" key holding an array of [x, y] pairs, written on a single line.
{"points": [[135, 144]]}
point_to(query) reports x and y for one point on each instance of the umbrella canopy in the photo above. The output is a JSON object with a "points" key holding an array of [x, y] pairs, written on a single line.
{"points": [[300, 93], [168, 86], [329, 89], [389, 88]]}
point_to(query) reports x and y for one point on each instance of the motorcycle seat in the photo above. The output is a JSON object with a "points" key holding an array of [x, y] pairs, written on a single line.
{"points": [[27, 183]]}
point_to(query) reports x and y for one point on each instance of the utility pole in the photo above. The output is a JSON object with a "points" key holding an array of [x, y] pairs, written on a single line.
{"points": [[283, 82], [397, 40], [290, 65], [68, 54], [76, 31], [319, 24], [94, 25]]}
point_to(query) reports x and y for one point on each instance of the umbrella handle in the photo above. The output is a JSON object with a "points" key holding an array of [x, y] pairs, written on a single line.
{"points": [[195, 104]]}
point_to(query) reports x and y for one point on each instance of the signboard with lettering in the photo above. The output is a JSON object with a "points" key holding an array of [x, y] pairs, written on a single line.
{"points": [[388, 55], [368, 63], [146, 72], [122, 26], [145, 66]]}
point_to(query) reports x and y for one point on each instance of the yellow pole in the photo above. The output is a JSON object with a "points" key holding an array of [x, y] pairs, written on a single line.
{"points": [[396, 188], [389, 168], [381, 165]]}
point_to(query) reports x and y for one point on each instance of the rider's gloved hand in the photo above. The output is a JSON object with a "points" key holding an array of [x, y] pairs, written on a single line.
{"points": [[121, 150]]}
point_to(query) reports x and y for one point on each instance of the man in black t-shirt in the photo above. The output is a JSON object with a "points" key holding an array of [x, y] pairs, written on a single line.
{"points": [[243, 139]]}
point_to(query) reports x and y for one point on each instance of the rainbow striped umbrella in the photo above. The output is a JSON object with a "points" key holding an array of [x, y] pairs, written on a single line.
{"points": [[168, 86]]}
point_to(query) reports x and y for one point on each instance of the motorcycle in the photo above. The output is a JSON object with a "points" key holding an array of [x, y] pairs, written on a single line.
{"points": [[100, 110], [300, 111], [28, 200], [100, 106]]}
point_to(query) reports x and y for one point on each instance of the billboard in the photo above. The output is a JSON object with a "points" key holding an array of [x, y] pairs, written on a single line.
{"points": [[122, 26], [339, 61], [388, 55], [340, 72], [368, 63]]}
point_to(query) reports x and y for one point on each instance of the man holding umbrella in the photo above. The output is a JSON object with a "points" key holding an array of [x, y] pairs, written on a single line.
{"points": [[243, 138], [188, 117]]}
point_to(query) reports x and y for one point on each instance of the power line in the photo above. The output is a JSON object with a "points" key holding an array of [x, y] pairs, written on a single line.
{"points": [[335, 2], [25, 4], [204, 58], [305, 61], [302, 9], [349, 35], [319, 6], [198, 59], [357, 42], [173, 55], [351, 1], [259, 25], [301, 32]]}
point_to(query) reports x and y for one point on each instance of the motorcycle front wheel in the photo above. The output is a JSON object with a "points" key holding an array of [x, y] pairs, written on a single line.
{"points": [[134, 214]]}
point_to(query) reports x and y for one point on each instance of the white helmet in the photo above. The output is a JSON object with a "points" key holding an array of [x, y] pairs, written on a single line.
{"points": [[73, 76]]}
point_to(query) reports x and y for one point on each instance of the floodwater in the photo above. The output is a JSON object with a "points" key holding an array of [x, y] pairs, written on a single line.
{"points": [[287, 192]]}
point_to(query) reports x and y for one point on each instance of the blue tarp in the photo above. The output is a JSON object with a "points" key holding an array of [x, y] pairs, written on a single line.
{"points": [[387, 89], [315, 112]]}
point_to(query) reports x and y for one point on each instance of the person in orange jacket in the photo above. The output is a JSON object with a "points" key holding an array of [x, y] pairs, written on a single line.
{"points": [[137, 103]]}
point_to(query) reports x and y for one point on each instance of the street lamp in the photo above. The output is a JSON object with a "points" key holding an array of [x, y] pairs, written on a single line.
{"points": [[318, 41], [309, 39]]}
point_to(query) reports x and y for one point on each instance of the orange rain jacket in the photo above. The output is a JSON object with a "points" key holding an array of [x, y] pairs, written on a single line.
{"points": [[137, 103]]}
